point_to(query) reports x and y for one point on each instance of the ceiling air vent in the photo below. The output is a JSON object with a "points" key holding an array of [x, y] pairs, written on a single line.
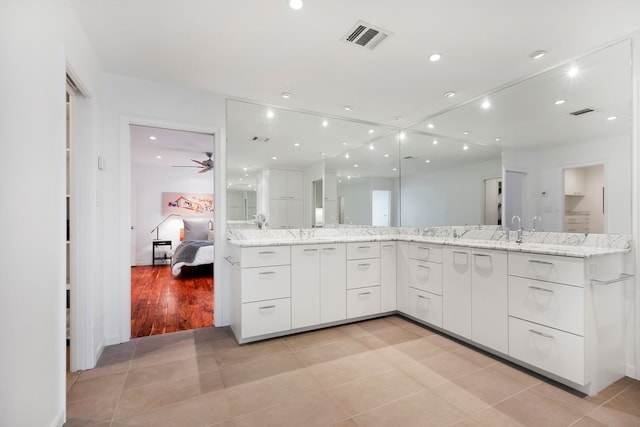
{"points": [[260, 139], [365, 35], [409, 157], [581, 112]]}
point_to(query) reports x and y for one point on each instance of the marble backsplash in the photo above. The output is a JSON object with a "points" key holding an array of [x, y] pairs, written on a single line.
{"points": [[482, 232]]}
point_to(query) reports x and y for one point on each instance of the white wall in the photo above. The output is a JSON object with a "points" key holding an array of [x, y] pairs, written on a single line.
{"points": [[37, 38], [452, 196], [357, 201], [312, 173], [150, 182], [129, 100]]}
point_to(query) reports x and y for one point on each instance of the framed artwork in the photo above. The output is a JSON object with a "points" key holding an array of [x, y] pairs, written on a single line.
{"points": [[187, 204]]}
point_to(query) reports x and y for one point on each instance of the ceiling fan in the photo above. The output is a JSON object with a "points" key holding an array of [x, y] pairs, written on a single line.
{"points": [[204, 165]]}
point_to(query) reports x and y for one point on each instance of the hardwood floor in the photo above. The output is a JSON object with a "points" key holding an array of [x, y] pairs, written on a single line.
{"points": [[162, 303]]}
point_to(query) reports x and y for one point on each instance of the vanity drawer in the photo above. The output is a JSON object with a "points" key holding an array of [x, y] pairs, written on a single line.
{"points": [[425, 306], [559, 269], [265, 283], [364, 272], [426, 276], [363, 250], [263, 256], [550, 304], [363, 301], [266, 317], [560, 353], [425, 252]]}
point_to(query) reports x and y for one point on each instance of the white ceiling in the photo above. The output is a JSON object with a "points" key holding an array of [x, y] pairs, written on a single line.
{"points": [[174, 147], [256, 49]]}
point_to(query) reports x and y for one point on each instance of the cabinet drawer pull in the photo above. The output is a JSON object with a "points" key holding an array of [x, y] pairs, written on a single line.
{"points": [[266, 307], [460, 252], [387, 246], [267, 272], [542, 334], [364, 265], [364, 247], [424, 298], [266, 253], [424, 266], [541, 289], [535, 261], [483, 255], [310, 250], [364, 293], [423, 248], [328, 249], [284, 197]]}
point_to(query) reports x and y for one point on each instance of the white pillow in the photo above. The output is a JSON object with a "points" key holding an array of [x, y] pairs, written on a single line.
{"points": [[196, 229]]}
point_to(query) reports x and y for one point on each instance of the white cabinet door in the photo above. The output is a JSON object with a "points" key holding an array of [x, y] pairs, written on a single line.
{"points": [[277, 213], [305, 285], [456, 291], [363, 302], [426, 276], [295, 185], [333, 282], [387, 276], [278, 184], [330, 186], [489, 301], [402, 285], [363, 272], [425, 306], [266, 317], [330, 211], [295, 214]]}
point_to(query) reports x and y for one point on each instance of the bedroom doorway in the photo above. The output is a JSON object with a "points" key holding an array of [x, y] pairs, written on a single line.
{"points": [[171, 180]]}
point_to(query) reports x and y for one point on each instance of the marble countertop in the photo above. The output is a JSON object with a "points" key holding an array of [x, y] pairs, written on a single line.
{"points": [[537, 248]]}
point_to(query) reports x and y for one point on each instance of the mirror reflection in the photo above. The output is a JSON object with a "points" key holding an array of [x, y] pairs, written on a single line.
{"points": [[565, 137]]}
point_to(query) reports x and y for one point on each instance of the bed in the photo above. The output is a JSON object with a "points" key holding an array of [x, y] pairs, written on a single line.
{"points": [[196, 247]]}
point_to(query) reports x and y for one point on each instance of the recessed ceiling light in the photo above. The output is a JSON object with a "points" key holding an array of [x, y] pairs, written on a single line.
{"points": [[435, 57], [270, 114], [394, 169], [346, 156], [355, 166], [296, 4], [274, 158], [348, 176], [449, 94], [323, 153], [430, 125], [572, 72], [340, 180], [158, 157], [402, 136], [560, 101], [435, 142], [537, 54], [498, 139], [371, 131], [427, 161], [371, 147], [611, 118], [386, 155], [240, 179], [246, 174], [297, 144], [396, 118], [486, 104], [286, 95], [325, 123], [153, 138], [467, 132], [465, 147], [244, 169], [348, 107]]}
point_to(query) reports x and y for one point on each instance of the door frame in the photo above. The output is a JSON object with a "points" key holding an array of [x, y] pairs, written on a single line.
{"points": [[124, 260]]}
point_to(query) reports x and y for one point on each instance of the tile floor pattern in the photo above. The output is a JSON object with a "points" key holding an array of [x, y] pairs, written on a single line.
{"points": [[382, 372]]}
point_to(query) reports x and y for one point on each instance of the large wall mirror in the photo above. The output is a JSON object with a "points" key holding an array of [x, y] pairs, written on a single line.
{"points": [[565, 142], [287, 165]]}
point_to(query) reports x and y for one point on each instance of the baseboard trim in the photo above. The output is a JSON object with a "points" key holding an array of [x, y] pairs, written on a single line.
{"points": [[631, 371], [60, 419]]}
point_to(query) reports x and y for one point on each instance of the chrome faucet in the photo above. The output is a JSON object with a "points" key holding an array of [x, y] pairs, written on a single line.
{"points": [[533, 227], [519, 238]]}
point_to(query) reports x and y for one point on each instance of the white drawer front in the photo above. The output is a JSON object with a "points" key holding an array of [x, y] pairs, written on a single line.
{"points": [[363, 250], [550, 268], [363, 272], [426, 276], [264, 256], [550, 304], [363, 302], [558, 352], [266, 317], [425, 306], [425, 252], [264, 283]]}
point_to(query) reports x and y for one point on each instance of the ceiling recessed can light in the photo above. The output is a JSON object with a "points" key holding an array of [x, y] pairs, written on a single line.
{"points": [[435, 57], [449, 94], [537, 54], [323, 153], [344, 143], [486, 104], [348, 176], [394, 169], [274, 158], [427, 161], [346, 156], [611, 118], [498, 139], [355, 166], [560, 101], [246, 174], [297, 144], [295, 4], [286, 95], [244, 169], [158, 157], [153, 138], [325, 123], [270, 114], [386, 155], [371, 131], [430, 125], [402, 136], [435, 142], [465, 147], [348, 107], [467, 132], [371, 147], [572, 72], [396, 118]]}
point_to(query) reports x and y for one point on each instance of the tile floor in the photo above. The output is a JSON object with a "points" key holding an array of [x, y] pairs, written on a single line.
{"points": [[382, 372]]}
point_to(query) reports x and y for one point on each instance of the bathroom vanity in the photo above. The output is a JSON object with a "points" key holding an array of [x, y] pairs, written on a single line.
{"points": [[557, 309]]}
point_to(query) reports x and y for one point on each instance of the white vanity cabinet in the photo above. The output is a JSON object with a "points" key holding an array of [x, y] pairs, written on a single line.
{"points": [[388, 280], [424, 293], [564, 323], [333, 282], [363, 279], [262, 292], [305, 285], [489, 302], [402, 277], [286, 197], [456, 290]]}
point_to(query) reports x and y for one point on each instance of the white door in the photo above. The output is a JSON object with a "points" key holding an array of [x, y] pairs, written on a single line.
{"points": [[380, 208]]}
